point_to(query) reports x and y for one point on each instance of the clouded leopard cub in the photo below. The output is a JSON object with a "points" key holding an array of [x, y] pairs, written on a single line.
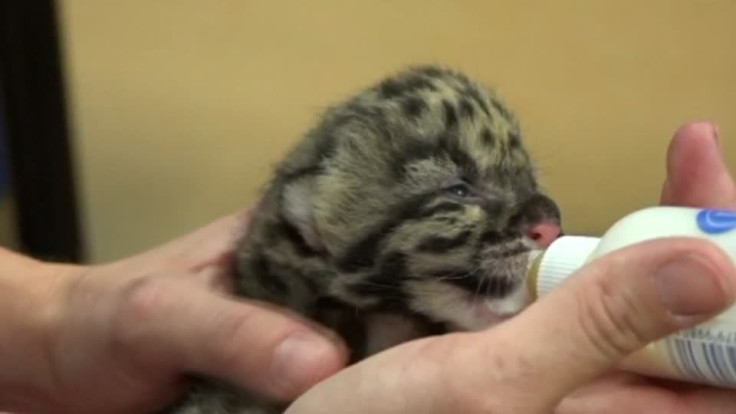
{"points": [[408, 211]]}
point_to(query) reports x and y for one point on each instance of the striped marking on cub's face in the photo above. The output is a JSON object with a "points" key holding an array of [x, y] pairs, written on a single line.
{"points": [[454, 259], [423, 197]]}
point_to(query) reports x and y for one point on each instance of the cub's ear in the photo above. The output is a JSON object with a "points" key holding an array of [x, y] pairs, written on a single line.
{"points": [[298, 209]]}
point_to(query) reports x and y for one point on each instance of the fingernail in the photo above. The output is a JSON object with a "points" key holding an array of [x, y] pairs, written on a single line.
{"points": [[300, 361], [690, 286], [716, 133]]}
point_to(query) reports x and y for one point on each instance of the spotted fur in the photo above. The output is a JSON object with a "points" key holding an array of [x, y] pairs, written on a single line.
{"points": [[402, 214]]}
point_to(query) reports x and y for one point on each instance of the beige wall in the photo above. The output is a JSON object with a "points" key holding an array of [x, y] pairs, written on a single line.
{"points": [[180, 107]]}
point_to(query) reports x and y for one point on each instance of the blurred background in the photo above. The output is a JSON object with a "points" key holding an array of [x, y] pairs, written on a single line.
{"points": [[175, 111]]}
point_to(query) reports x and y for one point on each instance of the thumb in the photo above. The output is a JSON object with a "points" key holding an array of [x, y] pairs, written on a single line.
{"points": [[697, 174], [615, 306], [249, 345]]}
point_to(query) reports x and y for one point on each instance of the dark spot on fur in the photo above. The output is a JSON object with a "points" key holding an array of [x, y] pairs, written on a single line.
{"points": [[284, 229], [416, 83], [324, 147], [371, 118], [429, 326], [395, 87], [496, 237], [363, 254], [487, 137], [514, 140], [466, 108], [450, 221], [391, 88], [440, 244], [386, 283], [272, 282], [493, 206], [297, 173], [478, 98], [450, 114], [451, 145], [431, 71], [464, 81], [413, 106], [311, 284], [343, 319], [413, 150]]}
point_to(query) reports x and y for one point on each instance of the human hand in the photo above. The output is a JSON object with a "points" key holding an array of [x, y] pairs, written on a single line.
{"points": [[697, 176], [571, 339], [117, 338]]}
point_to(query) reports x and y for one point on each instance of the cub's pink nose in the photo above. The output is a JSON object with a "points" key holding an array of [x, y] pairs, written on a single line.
{"points": [[544, 233]]}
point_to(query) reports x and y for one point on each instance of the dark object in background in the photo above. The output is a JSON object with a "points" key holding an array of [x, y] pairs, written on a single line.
{"points": [[40, 155], [4, 167]]}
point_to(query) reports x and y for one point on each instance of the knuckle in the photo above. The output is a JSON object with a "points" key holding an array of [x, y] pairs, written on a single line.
{"points": [[143, 298], [137, 307], [611, 319], [230, 333]]}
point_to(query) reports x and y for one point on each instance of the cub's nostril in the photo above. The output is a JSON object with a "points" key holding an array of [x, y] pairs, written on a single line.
{"points": [[544, 233]]}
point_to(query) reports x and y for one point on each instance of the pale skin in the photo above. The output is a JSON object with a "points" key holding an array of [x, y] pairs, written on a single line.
{"points": [[117, 338]]}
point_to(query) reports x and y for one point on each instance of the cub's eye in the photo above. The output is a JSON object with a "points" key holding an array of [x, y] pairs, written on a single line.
{"points": [[459, 190]]}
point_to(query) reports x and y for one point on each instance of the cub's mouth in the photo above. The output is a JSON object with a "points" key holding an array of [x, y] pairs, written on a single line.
{"points": [[490, 311], [497, 291]]}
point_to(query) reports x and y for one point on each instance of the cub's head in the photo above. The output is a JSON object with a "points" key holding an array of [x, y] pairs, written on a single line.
{"points": [[421, 196]]}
